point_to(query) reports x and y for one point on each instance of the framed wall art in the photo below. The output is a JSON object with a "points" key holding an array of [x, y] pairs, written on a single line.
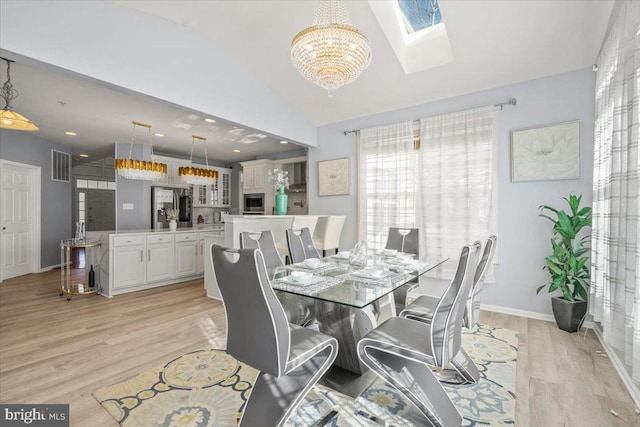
{"points": [[334, 177], [546, 153]]}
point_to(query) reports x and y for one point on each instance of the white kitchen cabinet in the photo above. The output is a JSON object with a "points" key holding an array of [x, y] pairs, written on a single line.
{"points": [[128, 265], [172, 179], [146, 260], [217, 194], [200, 259], [200, 195], [186, 254], [224, 187], [255, 175], [159, 257]]}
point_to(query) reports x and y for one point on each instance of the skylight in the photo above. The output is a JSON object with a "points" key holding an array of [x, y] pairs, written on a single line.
{"points": [[419, 14]]}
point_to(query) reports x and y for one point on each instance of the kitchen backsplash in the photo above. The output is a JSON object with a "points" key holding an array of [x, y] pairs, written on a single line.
{"points": [[206, 213], [297, 204]]}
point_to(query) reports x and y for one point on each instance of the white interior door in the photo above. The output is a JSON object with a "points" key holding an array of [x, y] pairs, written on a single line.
{"points": [[17, 196]]}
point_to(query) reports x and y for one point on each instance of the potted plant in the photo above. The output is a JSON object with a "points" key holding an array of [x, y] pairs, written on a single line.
{"points": [[172, 216], [567, 265]]}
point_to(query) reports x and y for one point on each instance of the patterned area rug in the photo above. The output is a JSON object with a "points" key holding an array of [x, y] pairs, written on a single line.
{"points": [[210, 388]]}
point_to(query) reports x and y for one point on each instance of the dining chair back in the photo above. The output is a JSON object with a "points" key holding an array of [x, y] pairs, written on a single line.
{"points": [[404, 240], [472, 311], [328, 231], [300, 245], [423, 306], [400, 350], [264, 241], [290, 359], [299, 310], [446, 325]]}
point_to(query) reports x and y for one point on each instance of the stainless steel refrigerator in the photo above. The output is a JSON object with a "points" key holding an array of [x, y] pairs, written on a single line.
{"points": [[163, 199]]}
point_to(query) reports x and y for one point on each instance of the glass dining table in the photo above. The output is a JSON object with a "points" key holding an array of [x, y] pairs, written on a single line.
{"points": [[351, 300]]}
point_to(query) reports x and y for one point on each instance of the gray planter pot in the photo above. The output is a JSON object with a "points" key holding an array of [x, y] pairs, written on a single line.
{"points": [[569, 315]]}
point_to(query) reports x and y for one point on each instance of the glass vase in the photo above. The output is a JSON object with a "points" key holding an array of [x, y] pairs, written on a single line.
{"points": [[281, 202]]}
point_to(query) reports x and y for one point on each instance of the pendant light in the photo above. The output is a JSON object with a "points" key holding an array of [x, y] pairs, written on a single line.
{"points": [[332, 52], [194, 175], [9, 119], [140, 169]]}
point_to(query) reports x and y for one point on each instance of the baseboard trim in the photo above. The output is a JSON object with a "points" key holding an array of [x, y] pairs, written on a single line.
{"points": [[622, 371], [516, 312], [49, 268], [527, 314]]}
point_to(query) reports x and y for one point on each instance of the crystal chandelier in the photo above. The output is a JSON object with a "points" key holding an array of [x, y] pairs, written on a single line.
{"points": [[9, 119], [198, 176], [331, 53], [140, 169]]}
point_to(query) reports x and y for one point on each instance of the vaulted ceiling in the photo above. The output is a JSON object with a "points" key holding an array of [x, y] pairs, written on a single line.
{"points": [[493, 42]]}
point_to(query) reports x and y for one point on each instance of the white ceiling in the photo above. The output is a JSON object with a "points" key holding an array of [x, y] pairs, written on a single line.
{"points": [[494, 43]]}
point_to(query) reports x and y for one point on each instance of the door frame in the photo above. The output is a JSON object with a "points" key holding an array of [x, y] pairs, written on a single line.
{"points": [[34, 216]]}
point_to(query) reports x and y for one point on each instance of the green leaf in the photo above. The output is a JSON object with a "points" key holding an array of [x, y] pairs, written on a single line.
{"points": [[540, 288], [553, 267]]}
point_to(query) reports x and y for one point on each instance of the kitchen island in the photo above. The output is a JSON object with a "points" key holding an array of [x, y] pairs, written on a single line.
{"points": [[133, 260], [236, 224]]}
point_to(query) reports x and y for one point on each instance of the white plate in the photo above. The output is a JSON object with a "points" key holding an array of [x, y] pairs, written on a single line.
{"points": [[389, 252], [301, 275], [312, 263], [302, 281], [371, 273], [343, 254]]}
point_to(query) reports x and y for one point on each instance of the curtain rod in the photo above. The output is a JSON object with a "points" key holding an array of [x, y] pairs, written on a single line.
{"points": [[511, 102]]}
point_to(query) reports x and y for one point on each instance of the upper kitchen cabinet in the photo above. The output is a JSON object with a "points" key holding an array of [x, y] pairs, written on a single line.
{"points": [[255, 176], [172, 179], [217, 194]]}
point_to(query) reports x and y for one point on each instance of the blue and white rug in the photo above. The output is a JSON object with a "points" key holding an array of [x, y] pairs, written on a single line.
{"points": [[210, 388]]}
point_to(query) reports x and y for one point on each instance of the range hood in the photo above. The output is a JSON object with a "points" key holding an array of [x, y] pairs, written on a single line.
{"points": [[297, 176]]}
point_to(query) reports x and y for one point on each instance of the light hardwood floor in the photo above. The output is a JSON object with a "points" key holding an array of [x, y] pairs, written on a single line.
{"points": [[54, 351]]}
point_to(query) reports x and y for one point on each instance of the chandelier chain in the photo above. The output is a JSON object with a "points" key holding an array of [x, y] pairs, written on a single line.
{"points": [[8, 92]]}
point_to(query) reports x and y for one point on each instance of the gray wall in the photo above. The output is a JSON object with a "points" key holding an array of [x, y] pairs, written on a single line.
{"points": [[133, 191], [56, 197], [523, 237]]}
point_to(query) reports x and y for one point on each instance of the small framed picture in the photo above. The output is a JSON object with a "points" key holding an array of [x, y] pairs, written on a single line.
{"points": [[546, 153], [334, 177]]}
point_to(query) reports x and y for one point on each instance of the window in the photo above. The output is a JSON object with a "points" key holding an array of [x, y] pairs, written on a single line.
{"points": [[439, 180], [420, 14]]}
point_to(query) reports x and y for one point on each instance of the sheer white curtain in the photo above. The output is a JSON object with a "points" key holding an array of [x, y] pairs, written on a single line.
{"points": [[456, 181], [615, 256], [387, 181]]}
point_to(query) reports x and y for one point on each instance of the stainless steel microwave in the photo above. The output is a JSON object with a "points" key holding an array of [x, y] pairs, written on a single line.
{"points": [[254, 203]]}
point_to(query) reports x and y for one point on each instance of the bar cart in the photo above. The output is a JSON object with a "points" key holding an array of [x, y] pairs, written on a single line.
{"points": [[80, 281]]}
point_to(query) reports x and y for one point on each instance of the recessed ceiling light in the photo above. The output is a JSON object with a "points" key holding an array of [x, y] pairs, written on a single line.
{"points": [[70, 133], [236, 151], [208, 120], [158, 134], [83, 155], [284, 142]]}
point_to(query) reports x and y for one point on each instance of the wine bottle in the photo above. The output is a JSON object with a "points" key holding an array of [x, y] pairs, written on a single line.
{"points": [[92, 277]]}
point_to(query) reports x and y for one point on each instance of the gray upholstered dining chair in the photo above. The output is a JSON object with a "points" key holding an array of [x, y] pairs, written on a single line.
{"points": [[300, 245], [423, 307], [405, 240], [299, 309], [290, 359], [400, 349]]}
